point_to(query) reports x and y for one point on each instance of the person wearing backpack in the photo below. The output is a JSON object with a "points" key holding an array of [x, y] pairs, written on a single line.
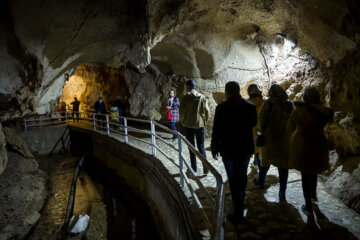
{"points": [[194, 114]]}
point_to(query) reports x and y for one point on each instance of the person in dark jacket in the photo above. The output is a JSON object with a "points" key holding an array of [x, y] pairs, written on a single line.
{"points": [[75, 111], [100, 108], [309, 148], [120, 105], [273, 120], [232, 138]]}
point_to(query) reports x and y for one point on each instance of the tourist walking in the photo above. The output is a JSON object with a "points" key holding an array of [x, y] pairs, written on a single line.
{"points": [[309, 148], [273, 119], [120, 106], [100, 108], [75, 110], [172, 108], [194, 113], [256, 97], [232, 138]]}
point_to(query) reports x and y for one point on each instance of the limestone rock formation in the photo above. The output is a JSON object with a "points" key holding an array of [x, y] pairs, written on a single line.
{"points": [[3, 153], [22, 191], [16, 143], [344, 182]]}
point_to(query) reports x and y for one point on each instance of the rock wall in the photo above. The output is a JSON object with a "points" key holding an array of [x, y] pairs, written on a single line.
{"points": [[22, 189]]}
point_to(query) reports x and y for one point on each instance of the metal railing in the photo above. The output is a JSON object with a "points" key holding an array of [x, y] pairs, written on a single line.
{"points": [[105, 124]]}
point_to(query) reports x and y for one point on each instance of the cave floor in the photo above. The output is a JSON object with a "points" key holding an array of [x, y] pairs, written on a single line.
{"points": [[266, 217]]}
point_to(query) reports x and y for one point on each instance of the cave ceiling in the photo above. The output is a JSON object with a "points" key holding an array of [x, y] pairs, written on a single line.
{"points": [[43, 40]]}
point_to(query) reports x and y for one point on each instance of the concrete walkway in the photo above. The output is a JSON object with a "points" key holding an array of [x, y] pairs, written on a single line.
{"points": [[266, 217]]}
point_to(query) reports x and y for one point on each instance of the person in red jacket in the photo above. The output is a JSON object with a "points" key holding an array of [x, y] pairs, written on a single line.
{"points": [[173, 104]]}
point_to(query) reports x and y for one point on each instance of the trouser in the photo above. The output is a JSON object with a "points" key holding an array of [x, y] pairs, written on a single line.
{"points": [[262, 170], [309, 184], [102, 118], [75, 113], [283, 177], [173, 127], [121, 113], [236, 170], [199, 133]]}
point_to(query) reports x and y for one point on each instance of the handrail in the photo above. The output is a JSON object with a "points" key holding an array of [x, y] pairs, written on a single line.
{"points": [[95, 121]]}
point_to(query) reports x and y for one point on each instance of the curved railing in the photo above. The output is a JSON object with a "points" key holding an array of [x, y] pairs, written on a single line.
{"points": [[105, 124]]}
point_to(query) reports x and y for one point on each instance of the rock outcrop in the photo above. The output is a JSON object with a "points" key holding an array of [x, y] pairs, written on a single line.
{"points": [[3, 153], [22, 189]]}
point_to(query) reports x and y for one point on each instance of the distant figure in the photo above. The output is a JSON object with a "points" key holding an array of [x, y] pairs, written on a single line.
{"points": [[100, 108], [309, 148], [75, 111], [114, 111], [273, 119], [62, 110], [120, 105], [194, 113], [232, 137], [256, 97], [173, 105]]}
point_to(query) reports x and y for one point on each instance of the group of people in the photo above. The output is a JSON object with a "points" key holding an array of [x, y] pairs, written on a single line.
{"points": [[117, 110], [193, 115], [287, 135]]}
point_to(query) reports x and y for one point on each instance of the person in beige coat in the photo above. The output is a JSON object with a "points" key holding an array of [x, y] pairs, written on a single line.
{"points": [[309, 148], [273, 119], [194, 113], [256, 97]]}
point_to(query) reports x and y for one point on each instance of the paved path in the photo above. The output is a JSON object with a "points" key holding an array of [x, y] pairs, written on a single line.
{"points": [[266, 217]]}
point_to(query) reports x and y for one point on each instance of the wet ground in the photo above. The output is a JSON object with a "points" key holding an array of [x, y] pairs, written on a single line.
{"points": [[115, 211]]}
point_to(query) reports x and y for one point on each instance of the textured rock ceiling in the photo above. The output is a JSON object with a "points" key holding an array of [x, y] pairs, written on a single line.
{"points": [[41, 40], [140, 49], [158, 44]]}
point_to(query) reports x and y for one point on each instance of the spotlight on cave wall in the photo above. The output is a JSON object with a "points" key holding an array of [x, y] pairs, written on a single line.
{"points": [[74, 87]]}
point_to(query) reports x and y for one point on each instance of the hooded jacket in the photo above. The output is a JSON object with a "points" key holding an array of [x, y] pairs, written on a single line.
{"points": [[309, 147], [194, 110]]}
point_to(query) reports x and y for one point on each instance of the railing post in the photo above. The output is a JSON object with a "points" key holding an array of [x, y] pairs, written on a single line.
{"points": [[153, 143], [107, 125], [40, 122], [94, 123], [181, 163], [25, 125], [126, 131]]}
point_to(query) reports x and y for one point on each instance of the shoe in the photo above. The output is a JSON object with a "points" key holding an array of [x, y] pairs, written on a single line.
{"points": [[306, 210], [282, 196], [235, 219]]}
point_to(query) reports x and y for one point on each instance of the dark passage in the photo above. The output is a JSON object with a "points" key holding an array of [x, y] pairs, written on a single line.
{"points": [[128, 216]]}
